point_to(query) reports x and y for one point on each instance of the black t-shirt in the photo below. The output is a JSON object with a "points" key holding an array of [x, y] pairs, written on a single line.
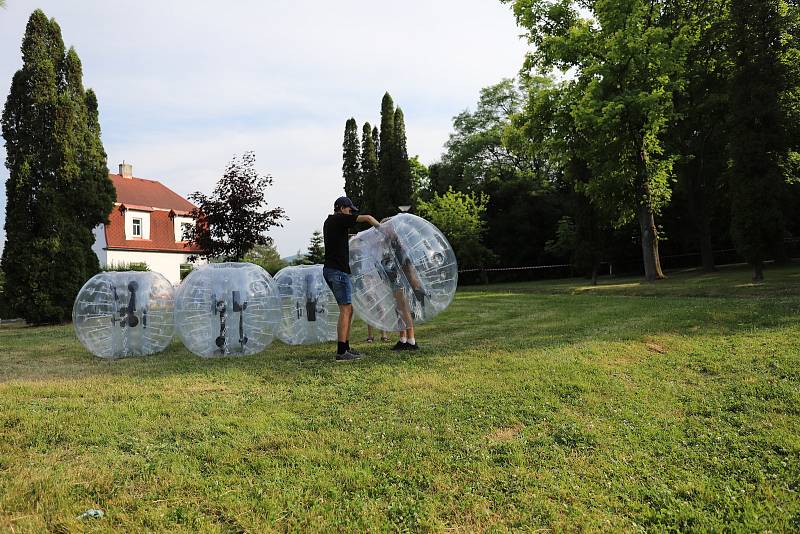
{"points": [[337, 246]]}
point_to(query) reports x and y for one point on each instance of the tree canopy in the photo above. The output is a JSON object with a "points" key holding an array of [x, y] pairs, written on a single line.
{"points": [[58, 188], [234, 219]]}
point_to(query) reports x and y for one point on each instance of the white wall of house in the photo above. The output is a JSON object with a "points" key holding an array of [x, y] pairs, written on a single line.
{"points": [[99, 246], [178, 224], [144, 217], [166, 263]]}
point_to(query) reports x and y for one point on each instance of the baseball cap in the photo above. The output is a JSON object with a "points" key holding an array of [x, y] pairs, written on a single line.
{"points": [[344, 202]]}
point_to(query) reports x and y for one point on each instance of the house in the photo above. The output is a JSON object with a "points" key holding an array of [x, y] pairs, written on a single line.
{"points": [[145, 225]]}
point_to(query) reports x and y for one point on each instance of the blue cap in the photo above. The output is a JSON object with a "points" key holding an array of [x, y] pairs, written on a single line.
{"points": [[344, 202]]}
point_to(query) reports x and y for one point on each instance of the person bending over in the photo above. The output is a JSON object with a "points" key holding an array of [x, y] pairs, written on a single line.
{"points": [[397, 260], [336, 269]]}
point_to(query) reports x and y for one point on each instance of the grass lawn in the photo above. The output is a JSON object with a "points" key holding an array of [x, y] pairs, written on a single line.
{"points": [[547, 405]]}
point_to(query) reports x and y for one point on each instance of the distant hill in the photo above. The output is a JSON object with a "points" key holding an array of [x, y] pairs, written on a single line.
{"points": [[290, 259]]}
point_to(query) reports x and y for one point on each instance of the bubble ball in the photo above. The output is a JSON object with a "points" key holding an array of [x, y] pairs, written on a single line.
{"points": [[227, 309], [310, 312], [403, 271], [121, 314]]}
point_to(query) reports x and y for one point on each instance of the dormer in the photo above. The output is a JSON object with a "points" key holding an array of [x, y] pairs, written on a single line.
{"points": [[137, 221], [180, 221]]}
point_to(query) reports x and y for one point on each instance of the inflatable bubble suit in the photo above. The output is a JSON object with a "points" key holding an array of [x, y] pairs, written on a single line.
{"points": [[119, 314], [310, 312], [227, 309], [403, 270]]}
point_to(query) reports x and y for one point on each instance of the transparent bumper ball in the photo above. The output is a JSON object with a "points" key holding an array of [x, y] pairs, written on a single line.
{"points": [[227, 309], [405, 271], [310, 312], [121, 314]]}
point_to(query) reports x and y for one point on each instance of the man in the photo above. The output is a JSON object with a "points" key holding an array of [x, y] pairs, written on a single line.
{"points": [[336, 269]]}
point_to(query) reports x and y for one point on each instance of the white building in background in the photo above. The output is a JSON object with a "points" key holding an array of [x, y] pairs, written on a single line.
{"points": [[146, 225]]}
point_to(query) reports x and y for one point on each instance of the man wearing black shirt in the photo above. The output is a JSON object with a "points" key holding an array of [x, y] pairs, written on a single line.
{"points": [[336, 270]]}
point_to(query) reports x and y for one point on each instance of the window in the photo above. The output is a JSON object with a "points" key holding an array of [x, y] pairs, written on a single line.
{"points": [[185, 228], [137, 228]]}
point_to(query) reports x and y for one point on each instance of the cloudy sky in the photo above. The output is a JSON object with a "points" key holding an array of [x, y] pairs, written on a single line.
{"points": [[185, 85]]}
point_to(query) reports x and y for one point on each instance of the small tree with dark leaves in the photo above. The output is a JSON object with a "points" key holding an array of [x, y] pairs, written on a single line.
{"points": [[234, 219]]}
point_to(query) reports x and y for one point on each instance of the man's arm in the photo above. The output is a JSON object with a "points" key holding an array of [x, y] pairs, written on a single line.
{"points": [[368, 219]]}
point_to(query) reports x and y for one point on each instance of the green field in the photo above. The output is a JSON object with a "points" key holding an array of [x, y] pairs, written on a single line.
{"points": [[547, 405]]}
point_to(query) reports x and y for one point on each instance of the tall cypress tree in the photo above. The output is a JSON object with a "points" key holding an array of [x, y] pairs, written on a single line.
{"points": [[384, 204], [757, 130], [403, 188], [376, 140], [351, 154], [369, 169], [58, 188]]}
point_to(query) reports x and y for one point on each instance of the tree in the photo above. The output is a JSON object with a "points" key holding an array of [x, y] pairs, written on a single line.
{"points": [[234, 219], [630, 56], [351, 154], [460, 217], [403, 191], [758, 147], [420, 179], [376, 139], [315, 254], [386, 160], [267, 257], [699, 135], [58, 188], [369, 170], [489, 152]]}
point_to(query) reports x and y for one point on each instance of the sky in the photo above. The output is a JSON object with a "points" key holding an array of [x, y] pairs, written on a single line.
{"points": [[183, 86]]}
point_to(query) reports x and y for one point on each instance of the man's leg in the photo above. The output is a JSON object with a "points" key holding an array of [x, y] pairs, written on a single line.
{"points": [[345, 319], [339, 283]]}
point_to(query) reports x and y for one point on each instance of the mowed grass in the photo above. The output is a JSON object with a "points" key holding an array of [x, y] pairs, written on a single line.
{"points": [[548, 405]]}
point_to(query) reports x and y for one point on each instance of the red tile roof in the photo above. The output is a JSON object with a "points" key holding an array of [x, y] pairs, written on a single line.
{"points": [[141, 192], [162, 234], [162, 203]]}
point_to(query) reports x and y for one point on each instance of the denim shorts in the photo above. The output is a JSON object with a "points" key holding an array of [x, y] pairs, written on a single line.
{"points": [[339, 283]]}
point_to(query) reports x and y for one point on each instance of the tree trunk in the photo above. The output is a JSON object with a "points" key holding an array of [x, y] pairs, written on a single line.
{"points": [[595, 268], [652, 262]]}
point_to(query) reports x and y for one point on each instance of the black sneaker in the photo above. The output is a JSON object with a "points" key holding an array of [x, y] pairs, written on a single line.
{"points": [[354, 352], [347, 356], [400, 345], [409, 346]]}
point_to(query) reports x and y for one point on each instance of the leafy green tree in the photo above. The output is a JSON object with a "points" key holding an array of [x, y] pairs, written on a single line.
{"points": [[758, 147], [369, 170], [267, 257], [630, 57], [353, 181], [476, 152], [403, 191], [698, 136], [489, 153], [582, 234], [460, 216], [420, 178], [58, 188], [315, 254], [791, 105], [376, 140], [387, 170], [234, 219]]}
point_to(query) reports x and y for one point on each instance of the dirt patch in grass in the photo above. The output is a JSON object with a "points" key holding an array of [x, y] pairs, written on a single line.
{"points": [[505, 433], [654, 346]]}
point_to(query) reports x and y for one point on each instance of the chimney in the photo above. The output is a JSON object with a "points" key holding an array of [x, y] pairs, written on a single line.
{"points": [[126, 169]]}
